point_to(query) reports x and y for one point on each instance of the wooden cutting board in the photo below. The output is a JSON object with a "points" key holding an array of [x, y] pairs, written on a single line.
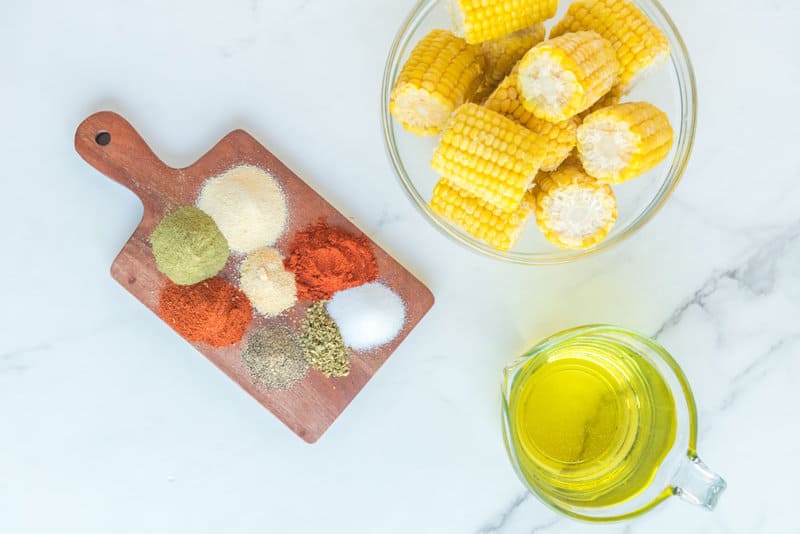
{"points": [[111, 145]]}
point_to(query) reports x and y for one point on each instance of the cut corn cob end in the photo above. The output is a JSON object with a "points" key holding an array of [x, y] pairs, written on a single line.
{"points": [[483, 20], [640, 45], [418, 110], [572, 209], [479, 219], [441, 73], [488, 156], [562, 77], [558, 139], [622, 142]]}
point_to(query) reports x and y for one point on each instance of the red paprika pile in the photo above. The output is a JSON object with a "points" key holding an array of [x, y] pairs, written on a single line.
{"points": [[212, 312], [326, 259]]}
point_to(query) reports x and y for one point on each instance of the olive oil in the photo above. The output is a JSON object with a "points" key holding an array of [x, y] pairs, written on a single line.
{"points": [[591, 420]]}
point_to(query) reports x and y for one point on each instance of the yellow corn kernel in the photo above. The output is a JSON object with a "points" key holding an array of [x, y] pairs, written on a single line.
{"points": [[483, 20], [488, 156], [561, 77], [558, 139], [611, 98], [624, 141], [639, 44], [503, 53], [441, 73], [480, 219], [572, 209]]}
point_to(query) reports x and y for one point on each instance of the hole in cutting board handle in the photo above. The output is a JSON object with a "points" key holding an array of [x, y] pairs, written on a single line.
{"points": [[103, 138]]}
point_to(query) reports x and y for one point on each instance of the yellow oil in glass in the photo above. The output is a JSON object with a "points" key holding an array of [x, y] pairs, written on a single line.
{"points": [[590, 421]]}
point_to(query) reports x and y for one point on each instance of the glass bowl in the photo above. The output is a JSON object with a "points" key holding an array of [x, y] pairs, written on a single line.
{"points": [[671, 88]]}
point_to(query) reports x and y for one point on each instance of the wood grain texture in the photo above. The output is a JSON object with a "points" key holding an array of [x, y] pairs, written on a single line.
{"points": [[311, 407]]}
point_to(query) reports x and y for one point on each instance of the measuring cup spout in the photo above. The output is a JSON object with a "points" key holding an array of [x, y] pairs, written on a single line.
{"points": [[510, 370], [697, 484]]}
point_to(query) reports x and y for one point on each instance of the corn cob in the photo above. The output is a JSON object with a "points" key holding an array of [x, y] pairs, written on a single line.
{"points": [[483, 20], [488, 156], [480, 219], [639, 44], [611, 98], [558, 139], [503, 53], [442, 72], [624, 141], [561, 77], [572, 209]]}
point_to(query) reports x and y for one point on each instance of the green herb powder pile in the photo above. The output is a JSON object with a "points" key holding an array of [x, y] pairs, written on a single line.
{"points": [[323, 343], [188, 246], [275, 358]]}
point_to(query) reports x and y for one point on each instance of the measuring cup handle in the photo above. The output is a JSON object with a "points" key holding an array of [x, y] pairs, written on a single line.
{"points": [[697, 484]]}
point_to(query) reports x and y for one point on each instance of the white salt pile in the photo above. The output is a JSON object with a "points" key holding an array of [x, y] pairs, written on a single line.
{"points": [[368, 316]]}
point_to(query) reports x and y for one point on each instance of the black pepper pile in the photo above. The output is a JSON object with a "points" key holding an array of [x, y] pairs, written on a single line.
{"points": [[275, 358]]}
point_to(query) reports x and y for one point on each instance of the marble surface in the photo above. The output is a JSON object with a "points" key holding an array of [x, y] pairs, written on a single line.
{"points": [[111, 423]]}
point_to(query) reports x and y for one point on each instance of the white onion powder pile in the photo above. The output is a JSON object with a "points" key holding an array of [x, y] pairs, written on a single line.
{"points": [[368, 316], [270, 288]]}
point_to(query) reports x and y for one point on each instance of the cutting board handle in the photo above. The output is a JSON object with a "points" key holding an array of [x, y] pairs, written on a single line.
{"points": [[112, 146]]}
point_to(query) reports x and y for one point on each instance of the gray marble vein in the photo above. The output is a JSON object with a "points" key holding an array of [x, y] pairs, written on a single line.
{"points": [[24, 350], [16, 361], [544, 527], [762, 365], [756, 273], [497, 525]]}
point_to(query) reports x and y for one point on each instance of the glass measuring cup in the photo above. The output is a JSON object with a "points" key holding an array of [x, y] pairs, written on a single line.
{"points": [[625, 401]]}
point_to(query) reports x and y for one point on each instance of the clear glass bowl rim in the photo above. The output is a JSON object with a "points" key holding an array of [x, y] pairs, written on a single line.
{"points": [[680, 61]]}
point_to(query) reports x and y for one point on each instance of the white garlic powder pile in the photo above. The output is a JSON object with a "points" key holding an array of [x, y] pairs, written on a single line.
{"points": [[248, 206]]}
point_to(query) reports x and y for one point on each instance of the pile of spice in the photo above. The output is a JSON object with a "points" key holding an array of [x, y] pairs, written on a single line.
{"points": [[327, 259], [368, 316], [275, 358], [266, 283], [212, 311], [188, 247], [323, 343], [248, 205]]}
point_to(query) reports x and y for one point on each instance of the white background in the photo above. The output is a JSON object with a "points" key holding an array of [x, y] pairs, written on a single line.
{"points": [[110, 423]]}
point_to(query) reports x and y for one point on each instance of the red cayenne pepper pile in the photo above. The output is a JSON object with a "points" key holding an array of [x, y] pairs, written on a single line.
{"points": [[325, 259], [212, 311]]}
